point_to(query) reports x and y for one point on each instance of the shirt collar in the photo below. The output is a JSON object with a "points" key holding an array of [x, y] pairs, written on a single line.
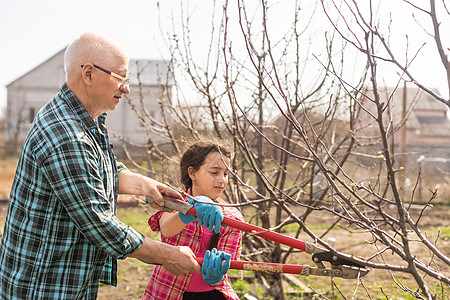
{"points": [[80, 110]]}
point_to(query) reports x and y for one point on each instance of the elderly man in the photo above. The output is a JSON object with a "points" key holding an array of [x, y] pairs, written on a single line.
{"points": [[61, 236]]}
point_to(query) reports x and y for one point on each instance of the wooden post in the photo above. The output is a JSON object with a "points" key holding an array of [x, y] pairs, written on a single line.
{"points": [[402, 146]]}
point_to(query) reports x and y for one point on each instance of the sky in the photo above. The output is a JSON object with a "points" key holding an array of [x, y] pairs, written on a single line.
{"points": [[33, 31]]}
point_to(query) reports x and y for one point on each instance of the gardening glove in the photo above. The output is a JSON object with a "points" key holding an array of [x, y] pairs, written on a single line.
{"points": [[187, 218], [210, 216], [213, 271]]}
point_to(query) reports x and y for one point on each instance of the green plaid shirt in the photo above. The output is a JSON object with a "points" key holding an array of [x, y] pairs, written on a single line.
{"points": [[61, 236]]}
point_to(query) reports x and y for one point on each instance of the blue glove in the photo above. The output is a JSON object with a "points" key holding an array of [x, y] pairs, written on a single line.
{"points": [[213, 270], [210, 216], [187, 218]]}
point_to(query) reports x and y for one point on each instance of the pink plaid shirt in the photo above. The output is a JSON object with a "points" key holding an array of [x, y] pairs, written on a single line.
{"points": [[164, 285]]}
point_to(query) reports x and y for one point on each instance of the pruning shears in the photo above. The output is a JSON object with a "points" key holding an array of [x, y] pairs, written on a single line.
{"points": [[339, 267]]}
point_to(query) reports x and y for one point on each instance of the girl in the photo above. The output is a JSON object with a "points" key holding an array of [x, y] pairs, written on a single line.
{"points": [[204, 172]]}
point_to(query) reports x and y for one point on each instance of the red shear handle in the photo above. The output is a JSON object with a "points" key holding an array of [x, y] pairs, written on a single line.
{"points": [[266, 267], [267, 234]]}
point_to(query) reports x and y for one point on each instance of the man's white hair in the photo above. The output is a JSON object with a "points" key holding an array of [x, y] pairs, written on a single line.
{"points": [[93, 48]]}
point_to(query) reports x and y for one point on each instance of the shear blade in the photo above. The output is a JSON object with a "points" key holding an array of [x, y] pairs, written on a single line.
{"points": [[344, 272], [318, 258], [353, 272]]}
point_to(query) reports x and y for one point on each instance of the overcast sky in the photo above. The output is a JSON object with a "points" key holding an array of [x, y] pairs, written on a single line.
{"points": [[33, 31]]}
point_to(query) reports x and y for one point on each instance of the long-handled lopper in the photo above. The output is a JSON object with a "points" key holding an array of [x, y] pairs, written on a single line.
{"points": [[339, 267]]}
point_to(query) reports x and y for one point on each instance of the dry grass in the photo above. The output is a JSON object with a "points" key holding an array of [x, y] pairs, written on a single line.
{"points": [[133, 275], [7, 170]]}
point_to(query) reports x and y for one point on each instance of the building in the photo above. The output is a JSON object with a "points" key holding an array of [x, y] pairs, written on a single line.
{"points": [[417, 125], [150, 82]]}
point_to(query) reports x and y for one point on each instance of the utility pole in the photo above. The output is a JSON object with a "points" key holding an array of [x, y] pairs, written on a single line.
{"points": [[402, 150]]}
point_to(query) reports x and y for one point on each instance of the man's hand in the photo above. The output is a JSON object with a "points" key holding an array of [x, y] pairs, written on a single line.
{"points": [[157, 190], [178, 260], [215, 266], [140, 185], [182, 262]]}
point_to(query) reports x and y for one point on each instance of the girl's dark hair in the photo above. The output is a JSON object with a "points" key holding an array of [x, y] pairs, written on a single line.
{"points": [[195, 156]]}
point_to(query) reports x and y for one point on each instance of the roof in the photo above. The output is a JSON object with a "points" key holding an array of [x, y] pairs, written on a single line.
{"points": [[415, 97], [36, 67], [426, 115], [420, 99], [151, 72]]}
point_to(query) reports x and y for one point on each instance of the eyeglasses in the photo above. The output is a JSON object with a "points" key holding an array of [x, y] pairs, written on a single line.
{"points": [[125, 82]]}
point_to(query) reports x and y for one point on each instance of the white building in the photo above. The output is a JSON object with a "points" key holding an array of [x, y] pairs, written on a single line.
{"points": [[150, 82]]}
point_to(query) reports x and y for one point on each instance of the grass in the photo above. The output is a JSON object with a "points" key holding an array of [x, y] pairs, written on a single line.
{"points": [[137, 218], [7, 170], [293, 227], [133, 274], [444, 232]]}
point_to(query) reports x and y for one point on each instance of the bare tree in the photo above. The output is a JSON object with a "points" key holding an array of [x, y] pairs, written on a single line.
{"points": [[291, 96]]}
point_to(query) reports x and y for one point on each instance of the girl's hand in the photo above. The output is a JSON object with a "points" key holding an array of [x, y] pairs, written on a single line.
{"points": [[215, 266], [187, 218], [209, 215]]}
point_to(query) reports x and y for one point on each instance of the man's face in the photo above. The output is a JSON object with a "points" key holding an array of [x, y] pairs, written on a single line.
{"points": [[108, 88]]}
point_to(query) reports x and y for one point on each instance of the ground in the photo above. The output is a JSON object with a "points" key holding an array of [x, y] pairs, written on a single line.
{"points": [[133, 275]]}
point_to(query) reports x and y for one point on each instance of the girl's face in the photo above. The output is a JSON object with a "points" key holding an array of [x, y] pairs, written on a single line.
{"points": [[211, 178]]}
